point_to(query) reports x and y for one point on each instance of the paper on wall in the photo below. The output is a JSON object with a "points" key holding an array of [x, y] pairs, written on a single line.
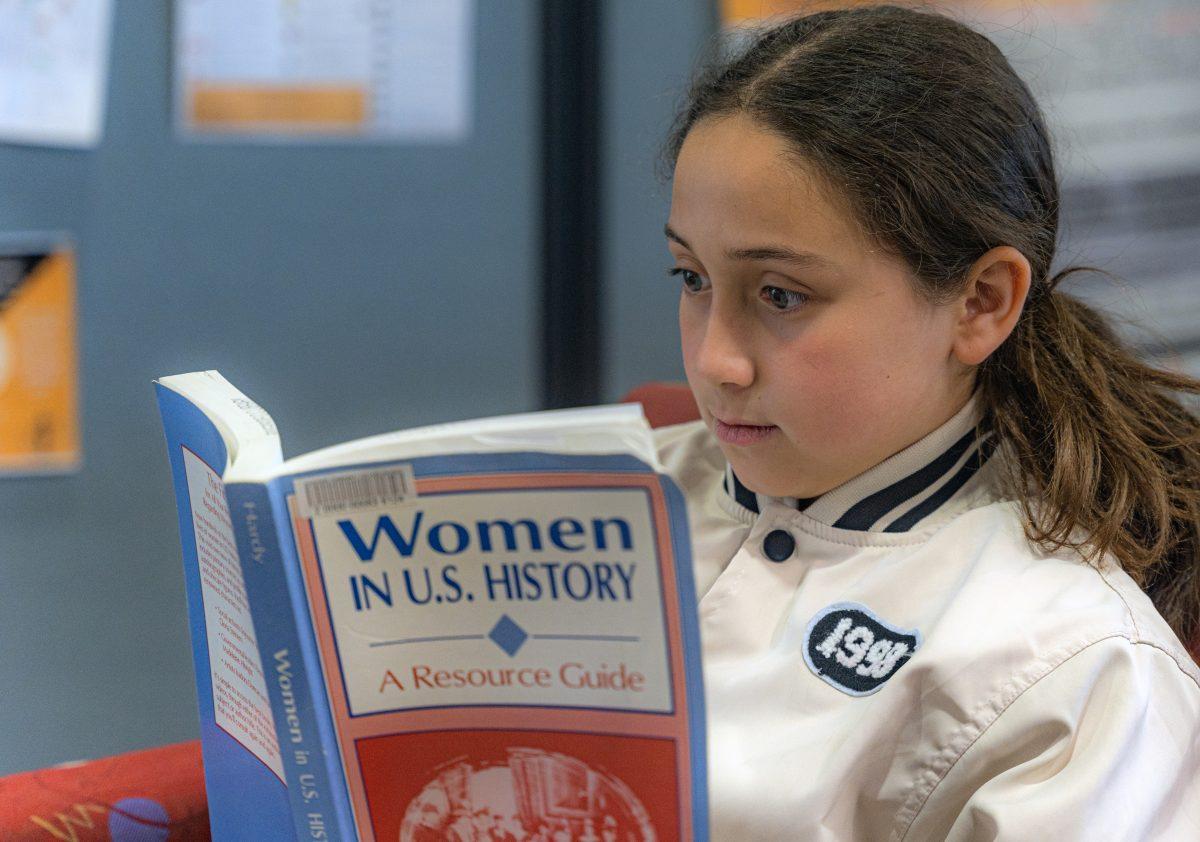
{"points": [[53, 60], [324, 69]]}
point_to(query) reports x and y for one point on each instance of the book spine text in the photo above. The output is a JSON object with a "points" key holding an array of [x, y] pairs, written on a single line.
{"points": [[293, 681]]}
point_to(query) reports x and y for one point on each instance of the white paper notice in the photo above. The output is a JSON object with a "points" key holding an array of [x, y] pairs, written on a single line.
{"points": [[351, 69], [239, 688], [53, 61]]}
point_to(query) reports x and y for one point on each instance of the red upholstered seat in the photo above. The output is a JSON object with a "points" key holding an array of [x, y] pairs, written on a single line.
{"points": [[665, 403], [153, 794]]}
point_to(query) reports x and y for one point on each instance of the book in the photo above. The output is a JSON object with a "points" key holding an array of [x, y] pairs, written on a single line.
{"points": [[478, 630]]}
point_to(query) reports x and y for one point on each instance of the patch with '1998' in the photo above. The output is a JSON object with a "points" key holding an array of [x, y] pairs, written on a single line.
{"points": [[847, 646]]}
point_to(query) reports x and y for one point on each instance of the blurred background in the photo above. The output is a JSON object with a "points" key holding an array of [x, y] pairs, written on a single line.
{"points": [[465, 221]]}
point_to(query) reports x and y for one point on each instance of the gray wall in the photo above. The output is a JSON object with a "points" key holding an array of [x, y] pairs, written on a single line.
{"points": [[651, 50], [349, 289]]}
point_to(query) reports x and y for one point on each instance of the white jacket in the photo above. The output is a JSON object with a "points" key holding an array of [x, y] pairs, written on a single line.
{"points": [[942, 680]]}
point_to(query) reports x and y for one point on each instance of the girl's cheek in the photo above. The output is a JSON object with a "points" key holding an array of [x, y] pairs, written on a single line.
{"points": [[688, 342], [691, 324], [828, 364], [831, 386]]}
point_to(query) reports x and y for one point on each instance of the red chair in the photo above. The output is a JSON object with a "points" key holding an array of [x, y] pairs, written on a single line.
{"points": [[665, 403], [153, 794]]}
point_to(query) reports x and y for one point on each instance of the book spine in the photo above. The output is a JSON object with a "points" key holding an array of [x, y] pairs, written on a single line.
{"points": [[246, 800], [311, 762]]}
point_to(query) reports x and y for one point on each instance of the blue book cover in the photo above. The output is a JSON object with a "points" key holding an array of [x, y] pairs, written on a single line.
{"points": [[479, 630]]}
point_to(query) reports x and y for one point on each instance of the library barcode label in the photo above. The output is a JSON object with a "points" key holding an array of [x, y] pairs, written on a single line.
{"points": [[335, 494]]}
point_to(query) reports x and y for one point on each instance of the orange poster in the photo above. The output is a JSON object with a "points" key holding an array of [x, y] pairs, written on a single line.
{"points": [[39, 413], [739, 12]]}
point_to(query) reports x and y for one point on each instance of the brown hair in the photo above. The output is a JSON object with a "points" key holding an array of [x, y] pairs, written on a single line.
{"points": [[942, 152]]}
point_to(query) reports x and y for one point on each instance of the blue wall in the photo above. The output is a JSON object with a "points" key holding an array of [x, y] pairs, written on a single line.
{"points": [[651, 52]]}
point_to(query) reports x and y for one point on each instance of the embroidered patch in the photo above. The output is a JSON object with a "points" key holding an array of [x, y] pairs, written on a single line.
{"points": [[852, 649]]}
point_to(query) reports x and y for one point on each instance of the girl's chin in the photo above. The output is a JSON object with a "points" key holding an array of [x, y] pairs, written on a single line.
{"points": [[755, 474]]}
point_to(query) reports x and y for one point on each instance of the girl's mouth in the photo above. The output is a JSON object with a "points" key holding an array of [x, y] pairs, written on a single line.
{"points": [[742, 434]]}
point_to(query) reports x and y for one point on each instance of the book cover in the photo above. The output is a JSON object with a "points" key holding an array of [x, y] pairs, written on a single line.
{"points": [[495, 640]]}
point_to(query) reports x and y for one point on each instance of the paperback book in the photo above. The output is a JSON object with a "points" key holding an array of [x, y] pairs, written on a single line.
{"points": [[483, 630]]}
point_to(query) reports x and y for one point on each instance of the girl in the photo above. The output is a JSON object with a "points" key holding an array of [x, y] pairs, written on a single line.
{"points": [[946, 525]]}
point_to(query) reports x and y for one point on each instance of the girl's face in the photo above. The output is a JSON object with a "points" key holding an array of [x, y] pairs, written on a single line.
{"points": [[810, 354]]}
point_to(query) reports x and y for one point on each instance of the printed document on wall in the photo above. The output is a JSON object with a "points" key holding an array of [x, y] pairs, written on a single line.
{"points": [[53, 60], [39, 389], [391, 70]]}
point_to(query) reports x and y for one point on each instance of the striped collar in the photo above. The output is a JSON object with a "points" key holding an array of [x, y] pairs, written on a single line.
{"points": [[899, 492]]}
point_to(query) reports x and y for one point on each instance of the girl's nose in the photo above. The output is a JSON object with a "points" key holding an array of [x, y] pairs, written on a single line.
{"points": [[723, 356]]}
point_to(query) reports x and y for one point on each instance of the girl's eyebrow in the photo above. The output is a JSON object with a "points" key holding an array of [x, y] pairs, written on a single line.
{"points": [[780, 253]]}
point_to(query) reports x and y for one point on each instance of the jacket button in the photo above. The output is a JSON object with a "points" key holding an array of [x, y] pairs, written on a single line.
{"points": [[779, 545]]}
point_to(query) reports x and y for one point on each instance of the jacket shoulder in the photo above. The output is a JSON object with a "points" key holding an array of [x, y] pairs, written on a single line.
{"points": [[1035, 650], [1118, 713], [1146, 627], [1039, 597]]}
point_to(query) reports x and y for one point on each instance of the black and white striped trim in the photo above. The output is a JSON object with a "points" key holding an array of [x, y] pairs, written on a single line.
{"points": [[901, 505]]}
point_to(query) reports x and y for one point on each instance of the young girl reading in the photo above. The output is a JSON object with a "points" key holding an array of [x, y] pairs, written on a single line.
{"points": [[946, 525]]}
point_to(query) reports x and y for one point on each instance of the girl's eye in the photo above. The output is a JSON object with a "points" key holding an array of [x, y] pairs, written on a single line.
{"points": [[692, 281], [783, 299]]}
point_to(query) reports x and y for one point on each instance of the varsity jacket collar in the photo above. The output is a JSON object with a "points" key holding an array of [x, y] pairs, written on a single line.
{"points": [[901, 491]]}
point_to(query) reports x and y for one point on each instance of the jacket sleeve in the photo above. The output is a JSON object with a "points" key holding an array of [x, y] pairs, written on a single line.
{"points": [[1106, 745]]}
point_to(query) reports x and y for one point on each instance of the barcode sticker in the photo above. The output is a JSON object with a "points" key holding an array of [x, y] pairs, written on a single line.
{"points": [[333, 494]]}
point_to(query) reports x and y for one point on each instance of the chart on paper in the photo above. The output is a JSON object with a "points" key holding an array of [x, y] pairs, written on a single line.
{"points": [[351, 69]]}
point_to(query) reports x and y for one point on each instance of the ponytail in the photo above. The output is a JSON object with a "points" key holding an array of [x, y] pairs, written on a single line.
{"points": [[1102, 453]]}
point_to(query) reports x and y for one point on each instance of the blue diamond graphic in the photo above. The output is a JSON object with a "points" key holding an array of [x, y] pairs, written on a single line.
{"points": [[508, 635]]}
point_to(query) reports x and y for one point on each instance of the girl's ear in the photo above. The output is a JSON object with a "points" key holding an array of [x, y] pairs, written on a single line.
{"points": [[991, 303]]}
